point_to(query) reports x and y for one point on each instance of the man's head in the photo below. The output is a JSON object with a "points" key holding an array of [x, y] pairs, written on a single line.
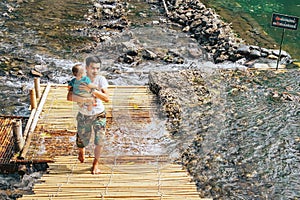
{"points": [[93, 64]]}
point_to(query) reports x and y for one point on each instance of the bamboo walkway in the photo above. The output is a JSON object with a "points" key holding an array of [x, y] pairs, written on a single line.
{"points": [[126, 171], [52, 125], [69, 179]]}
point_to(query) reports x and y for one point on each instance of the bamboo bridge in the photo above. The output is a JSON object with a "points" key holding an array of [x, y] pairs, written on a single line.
{"points": [[126, 173]]}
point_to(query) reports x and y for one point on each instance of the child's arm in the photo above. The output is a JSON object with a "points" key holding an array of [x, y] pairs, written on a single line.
{"points": [[88, 87], [78, 99]]}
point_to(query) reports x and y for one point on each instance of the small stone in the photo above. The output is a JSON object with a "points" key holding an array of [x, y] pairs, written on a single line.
{"points": [[147, 54], [272, 57], [36, 73], [41, 68], [186, 29], [243, 49], [255, 53], [283, 53], [260, 66], [155, 22]]}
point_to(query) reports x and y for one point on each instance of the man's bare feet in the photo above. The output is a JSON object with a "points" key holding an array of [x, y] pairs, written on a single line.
{"points": [[81, 153], [95, 169]]}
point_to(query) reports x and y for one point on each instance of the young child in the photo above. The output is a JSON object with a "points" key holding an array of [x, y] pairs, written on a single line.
{"points": [[78, 80]]}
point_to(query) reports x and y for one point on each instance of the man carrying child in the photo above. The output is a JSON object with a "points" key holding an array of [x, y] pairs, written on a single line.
{"points": [[93, 120]]}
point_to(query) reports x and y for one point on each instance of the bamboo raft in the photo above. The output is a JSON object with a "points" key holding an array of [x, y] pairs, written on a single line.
{"points": [[6, 139], [50, 137], [6, 147]]}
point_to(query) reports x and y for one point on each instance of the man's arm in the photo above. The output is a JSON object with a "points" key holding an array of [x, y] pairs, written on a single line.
{"points": [[101, 94]]}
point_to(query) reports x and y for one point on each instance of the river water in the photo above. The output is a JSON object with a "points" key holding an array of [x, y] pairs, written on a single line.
{"points": [[249, 134], [252, 20]]}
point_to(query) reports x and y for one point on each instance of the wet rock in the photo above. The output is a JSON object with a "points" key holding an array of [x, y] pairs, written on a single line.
{"points": [[128, 59], [273, 57], [254, 53], [3, 73], [36, 73], [215, 36], [243, 49], [260, 66], [195, 52], [20, 72], [104, 20], [155, 22], [172, 56], [104, 38], [149, 55], [283, 53], [133, 53], [41, 68]]}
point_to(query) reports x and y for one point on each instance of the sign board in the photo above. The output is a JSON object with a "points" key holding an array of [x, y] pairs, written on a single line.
{"points": [[285, 21]]}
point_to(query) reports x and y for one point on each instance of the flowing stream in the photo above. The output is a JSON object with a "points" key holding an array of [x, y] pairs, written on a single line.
{"points": [[246, 145], [252, 20]]}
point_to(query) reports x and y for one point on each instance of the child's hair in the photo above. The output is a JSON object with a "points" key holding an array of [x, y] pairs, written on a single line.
{"points": [[76, 68]]}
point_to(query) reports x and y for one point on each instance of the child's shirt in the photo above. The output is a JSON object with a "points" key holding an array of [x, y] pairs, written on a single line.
{"points": [[101, 83], [76, 83]]}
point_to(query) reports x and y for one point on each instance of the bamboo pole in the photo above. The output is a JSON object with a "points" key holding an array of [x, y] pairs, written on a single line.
{"points": [[29, 123], [34, 122], [32, 114], [33, 101], [18, 136], [37, 87]]}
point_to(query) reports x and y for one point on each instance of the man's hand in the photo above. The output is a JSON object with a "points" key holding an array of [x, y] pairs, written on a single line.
{"points": [[102, 94]]}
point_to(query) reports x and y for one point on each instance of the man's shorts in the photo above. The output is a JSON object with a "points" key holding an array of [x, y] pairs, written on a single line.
{"points": [[88, 123]]}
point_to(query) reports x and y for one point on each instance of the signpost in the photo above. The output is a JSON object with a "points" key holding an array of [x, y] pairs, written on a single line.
{"points": [[284, 21]]}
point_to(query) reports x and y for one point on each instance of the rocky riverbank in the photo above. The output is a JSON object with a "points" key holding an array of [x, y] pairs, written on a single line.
{"points": [[203, 24], [208, 115]]}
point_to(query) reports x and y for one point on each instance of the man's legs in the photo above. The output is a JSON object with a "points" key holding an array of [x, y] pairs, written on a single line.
{"points": [[81, 154], [97, 151], [99, 126], [83, 134]]}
